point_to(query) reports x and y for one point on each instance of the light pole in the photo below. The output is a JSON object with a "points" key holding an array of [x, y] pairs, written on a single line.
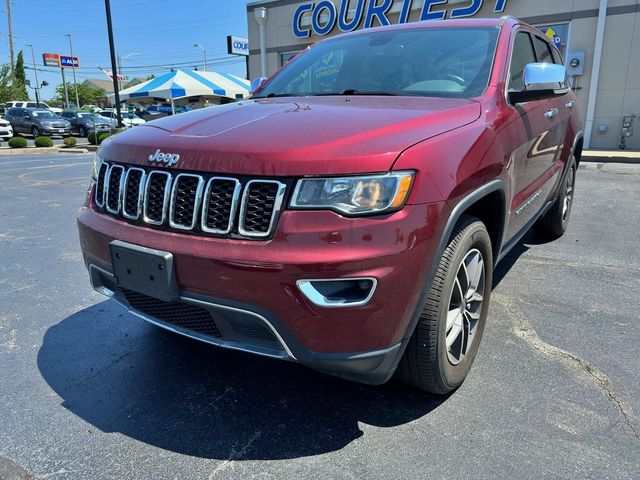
{"points": [[75, 84], [204, 52], [120, 60], [260, 15], [114, 69], [35, 72]]}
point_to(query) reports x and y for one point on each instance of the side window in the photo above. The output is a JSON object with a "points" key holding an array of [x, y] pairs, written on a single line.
{"points": [[523, 54], [557, 56], [544, 51]]}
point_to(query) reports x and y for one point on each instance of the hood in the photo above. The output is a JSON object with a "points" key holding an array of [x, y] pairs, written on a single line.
{"points": [[294, 136]]}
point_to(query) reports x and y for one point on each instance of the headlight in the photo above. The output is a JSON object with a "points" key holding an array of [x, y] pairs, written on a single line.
{"points": [[95, 167], [359, 195]]}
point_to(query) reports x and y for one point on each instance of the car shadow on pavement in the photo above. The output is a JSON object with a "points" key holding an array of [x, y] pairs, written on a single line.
{"points": [[122, 375]]}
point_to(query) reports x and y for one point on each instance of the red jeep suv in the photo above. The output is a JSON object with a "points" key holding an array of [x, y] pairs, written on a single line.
{"points": [[349, 215]]}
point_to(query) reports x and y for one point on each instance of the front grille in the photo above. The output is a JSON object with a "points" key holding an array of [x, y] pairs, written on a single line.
{"points": [[259, 201], [155, 200], [114, 186], [133, 193], [102, 174], [189, 202], [180, 314], [219, 203], [186, 194]]}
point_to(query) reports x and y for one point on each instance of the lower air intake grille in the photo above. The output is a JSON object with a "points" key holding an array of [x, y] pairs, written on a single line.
{"points": [[180, 314]]}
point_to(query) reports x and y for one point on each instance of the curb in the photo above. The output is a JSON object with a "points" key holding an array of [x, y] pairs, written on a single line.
{"points": [[28, 151], [44, 150], [595, 156]]}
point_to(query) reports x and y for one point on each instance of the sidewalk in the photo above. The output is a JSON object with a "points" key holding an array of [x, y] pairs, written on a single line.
{"points": [[611, 156]]}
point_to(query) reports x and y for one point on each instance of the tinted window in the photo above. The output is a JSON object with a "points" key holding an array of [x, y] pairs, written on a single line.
{"points": [[544, 51], [557, 56], [42, 114], [522, 55], [440, 62]]}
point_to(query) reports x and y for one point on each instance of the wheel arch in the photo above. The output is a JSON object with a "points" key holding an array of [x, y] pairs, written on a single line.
{"points": [[471, 203]]}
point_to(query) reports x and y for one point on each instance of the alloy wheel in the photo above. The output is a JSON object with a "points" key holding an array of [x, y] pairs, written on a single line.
{"points": [[568, 193], [465, 305]]}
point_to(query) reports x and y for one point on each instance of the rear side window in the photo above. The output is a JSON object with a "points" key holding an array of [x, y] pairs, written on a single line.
{"points": [[523, 54], [544, 51]]}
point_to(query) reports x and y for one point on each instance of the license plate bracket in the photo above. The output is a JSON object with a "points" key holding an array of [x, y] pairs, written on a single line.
{"points": [[144, 270]]}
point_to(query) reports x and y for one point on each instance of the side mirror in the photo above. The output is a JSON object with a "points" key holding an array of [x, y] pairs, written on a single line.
{"points": [[541, 81], [256, 83]]}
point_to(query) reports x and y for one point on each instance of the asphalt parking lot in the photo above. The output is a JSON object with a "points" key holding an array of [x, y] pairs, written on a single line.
{"points": [[89, 391]]}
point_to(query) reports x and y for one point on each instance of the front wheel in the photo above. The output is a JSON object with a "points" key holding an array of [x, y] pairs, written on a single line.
{"points": [[441, 351], [82, 132], [35, 131]]}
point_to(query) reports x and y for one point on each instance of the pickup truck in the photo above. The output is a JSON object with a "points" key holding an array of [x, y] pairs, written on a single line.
{"points": [[350, 214]]}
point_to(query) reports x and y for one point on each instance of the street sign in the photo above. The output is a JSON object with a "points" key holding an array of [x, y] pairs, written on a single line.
{"points": [[51, 59], [69, 62], [237, 46]]}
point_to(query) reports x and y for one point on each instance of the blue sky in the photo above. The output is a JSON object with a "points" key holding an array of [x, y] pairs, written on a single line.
{"points": [[161, 31]]}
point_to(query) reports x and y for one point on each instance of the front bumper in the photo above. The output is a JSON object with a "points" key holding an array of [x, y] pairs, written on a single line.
{"points": [[259, 279], [6, 133], [56, 130]]}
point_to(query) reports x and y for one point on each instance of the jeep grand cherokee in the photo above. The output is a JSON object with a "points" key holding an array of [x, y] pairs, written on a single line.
{"points": [[349, 215]]}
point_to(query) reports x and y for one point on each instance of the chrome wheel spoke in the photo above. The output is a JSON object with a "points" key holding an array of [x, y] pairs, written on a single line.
{"points": [[465, 306], [453, 331]]}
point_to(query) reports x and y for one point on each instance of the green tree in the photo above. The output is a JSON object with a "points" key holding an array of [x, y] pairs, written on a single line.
{"points": [[20, 84], [8, 90], [86, 94]]}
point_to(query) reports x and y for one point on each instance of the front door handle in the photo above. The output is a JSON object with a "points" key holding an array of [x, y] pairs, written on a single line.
{"points": [[570, 104], [550, 114]]}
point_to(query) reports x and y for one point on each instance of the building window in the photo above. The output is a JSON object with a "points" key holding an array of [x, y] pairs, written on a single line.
{"points": [[286, 56], [558, 33]]}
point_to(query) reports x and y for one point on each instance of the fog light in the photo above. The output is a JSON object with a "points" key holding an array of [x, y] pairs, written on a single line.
{"points": [[339, 292]]}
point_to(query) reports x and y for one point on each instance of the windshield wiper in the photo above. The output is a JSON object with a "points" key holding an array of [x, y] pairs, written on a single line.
{"points": [[274, 95], [353, 91]]}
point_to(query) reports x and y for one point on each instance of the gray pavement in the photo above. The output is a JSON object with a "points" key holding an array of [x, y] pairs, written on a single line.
{"points": [[89, 391]]}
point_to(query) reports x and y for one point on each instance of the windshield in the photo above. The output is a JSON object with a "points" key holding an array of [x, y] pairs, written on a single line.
{"points": [[436, 62], [44, 114], [88, 116]]}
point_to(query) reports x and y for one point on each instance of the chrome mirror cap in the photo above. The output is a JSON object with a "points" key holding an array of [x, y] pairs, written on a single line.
{"points": [[545, 76]]}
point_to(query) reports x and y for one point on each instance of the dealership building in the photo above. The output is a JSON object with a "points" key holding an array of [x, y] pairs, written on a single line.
{"points": [[600, 41]]}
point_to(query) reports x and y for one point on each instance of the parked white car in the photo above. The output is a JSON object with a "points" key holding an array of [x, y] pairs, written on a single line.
{"points": [[27, 104], [6, 131], [126, 121]]}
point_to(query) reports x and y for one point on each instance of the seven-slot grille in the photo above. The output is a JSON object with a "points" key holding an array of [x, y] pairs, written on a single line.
{"points": [[190, 202]]}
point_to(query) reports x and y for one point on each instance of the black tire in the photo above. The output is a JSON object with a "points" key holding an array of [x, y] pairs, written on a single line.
{"points": [[555, 221], [82, 132], [426, 362], [35, 131]]}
